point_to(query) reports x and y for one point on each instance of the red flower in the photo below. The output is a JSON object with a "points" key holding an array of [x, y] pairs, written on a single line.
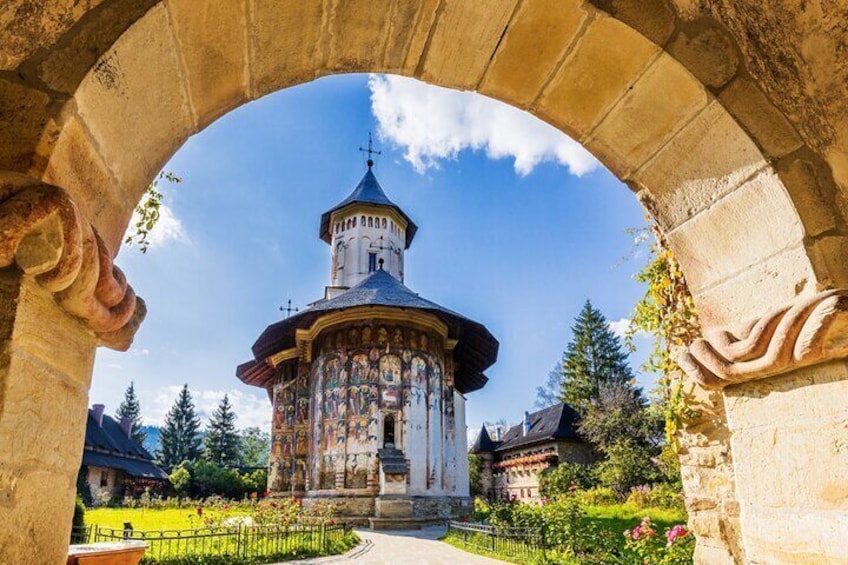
{"points": [[200, 511]]}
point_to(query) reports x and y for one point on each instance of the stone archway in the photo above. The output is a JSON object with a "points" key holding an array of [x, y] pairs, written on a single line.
{"points": [[736, 147]]}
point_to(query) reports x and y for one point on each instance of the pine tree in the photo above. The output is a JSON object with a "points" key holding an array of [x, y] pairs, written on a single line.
{"points": [[594, 357], [221, 444], [130, 408], [180, 437]]}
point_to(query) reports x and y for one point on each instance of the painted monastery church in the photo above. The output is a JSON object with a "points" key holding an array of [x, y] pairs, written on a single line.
{"points": [[368, 384]]}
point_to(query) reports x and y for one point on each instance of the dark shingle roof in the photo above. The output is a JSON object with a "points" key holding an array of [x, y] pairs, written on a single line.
{"points": [[484, 443], [133, 467], [107, 445], [476, 350], [559, 421], [368, 191]]}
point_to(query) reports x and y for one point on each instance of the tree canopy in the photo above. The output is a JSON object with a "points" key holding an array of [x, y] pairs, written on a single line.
{"points": [[222, 442], [131, 408], [594, 357], [180, 436]]}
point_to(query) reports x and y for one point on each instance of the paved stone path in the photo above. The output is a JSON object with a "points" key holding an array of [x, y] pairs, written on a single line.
{"points": [[419, 547]]}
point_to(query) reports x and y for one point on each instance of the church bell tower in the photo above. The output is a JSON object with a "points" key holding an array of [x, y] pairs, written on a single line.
{"points": [[366, 232]]}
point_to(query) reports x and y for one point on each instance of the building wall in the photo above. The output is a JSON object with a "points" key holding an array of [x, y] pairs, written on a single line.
{"points": [[521, 482], [329, 419], [104, 484]]}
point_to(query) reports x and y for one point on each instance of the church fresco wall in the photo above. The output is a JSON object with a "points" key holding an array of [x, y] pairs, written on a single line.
{"points": [[332, 424], [290, 435]]}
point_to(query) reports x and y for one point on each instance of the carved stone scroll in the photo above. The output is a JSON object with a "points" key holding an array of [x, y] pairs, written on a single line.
{"points": [[44, 235], [812, 330]]}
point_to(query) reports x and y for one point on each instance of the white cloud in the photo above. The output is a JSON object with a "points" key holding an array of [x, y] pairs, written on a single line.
{"points": [[435, 123], [250, 409], [167, 228], [619, 327]]}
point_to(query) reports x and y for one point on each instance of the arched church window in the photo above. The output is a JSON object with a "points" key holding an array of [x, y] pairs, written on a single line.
{"points": [[384, 223], [354, 222], [370, 222], [362, 221], [389, 431]]}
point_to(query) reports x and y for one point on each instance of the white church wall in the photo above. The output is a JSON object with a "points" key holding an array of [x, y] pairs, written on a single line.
{"points": [[461, 446], [415, 429]]}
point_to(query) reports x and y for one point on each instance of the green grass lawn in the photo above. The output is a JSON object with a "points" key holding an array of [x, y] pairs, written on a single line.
{"points": [[620, 517], [148, 518]]}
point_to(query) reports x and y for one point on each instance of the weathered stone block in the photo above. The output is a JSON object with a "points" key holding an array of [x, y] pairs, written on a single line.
{"points": [[747, 295], [25, 28], [212, 41], [23, 116], [708, 53], [807, 537], [76, 166], [811, 192], [284, 43], [44, 332], [134, 104], [753, 222], [813, 395], [464, 40], [393, 508], [681, 184], [522, 63], [361, 30], [767, 125], [604, 63], [659, 104], [32, 502]]}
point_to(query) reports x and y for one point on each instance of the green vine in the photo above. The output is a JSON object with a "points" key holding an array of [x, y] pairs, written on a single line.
{"points": [[666, 312], [147, 212]]}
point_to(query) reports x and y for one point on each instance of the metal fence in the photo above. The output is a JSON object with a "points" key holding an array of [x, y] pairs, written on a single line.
{"points": [[513, 542], [229, 541]]}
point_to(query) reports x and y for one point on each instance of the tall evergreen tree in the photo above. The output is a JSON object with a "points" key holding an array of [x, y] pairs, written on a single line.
{"points": [[180, 437], [221, 444], [130, 408], [594, 357]]}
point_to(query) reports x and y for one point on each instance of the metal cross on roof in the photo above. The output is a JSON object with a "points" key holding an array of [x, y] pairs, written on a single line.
{"points": [[370, 152], [288, 309]]}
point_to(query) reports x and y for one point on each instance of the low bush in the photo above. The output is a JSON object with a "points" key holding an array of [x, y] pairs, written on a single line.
{"points": [[560, 479], [660, 495], [598, 496]]}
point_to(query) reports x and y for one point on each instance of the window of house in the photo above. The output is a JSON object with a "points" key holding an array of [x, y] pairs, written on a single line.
{"points": [[372, 262], [104, 479]]}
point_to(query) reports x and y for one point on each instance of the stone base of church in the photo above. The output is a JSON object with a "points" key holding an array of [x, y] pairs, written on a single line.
{"points": [[357, 509]]}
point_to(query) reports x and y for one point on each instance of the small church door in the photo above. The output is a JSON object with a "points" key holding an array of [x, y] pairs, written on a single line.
{"points": [[389, 431]]}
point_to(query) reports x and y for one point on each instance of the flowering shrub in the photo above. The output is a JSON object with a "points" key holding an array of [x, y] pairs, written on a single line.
{"points": [[276, 511], [674, 548]]}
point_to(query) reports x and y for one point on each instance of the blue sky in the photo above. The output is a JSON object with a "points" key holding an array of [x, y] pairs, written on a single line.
{"points": [[509, 235]]}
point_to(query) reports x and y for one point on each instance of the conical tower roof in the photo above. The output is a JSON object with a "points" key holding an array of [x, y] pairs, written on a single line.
{"points": [[370, 193]]}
